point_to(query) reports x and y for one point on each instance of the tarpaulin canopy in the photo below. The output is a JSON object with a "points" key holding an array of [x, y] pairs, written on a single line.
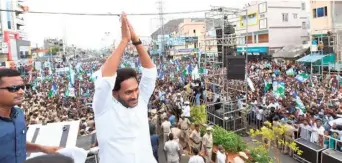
{"points": [[311, 58], [290, 51]]}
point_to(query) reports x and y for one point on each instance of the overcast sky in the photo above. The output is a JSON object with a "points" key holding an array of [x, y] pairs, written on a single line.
{"points": [[88, 31]]}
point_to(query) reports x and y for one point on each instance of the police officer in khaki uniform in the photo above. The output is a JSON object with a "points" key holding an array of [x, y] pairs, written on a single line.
{"points": [[207, 143], [184, 125], [195, 138], [289, 136], [166, 126]]}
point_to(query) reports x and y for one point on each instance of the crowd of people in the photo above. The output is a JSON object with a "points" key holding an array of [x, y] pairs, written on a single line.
{"points": [[310, 105], [282, 92], [105, 92]]}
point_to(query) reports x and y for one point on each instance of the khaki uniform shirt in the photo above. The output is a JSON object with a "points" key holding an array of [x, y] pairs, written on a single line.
{"points": [[208, 140]]}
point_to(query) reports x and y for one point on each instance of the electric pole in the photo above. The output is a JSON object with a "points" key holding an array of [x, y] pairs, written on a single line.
{"points": [[161, 21]]}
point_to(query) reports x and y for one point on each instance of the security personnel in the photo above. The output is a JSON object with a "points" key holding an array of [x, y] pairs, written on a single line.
{"points": [[13, 145], [207, 143], [195, 137], [184, 125]]}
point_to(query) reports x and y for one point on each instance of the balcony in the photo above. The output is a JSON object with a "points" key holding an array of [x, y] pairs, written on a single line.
{"points": [[23, 34], [20, 21]]}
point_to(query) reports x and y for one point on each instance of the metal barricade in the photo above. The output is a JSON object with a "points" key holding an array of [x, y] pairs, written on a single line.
{"points": [[228, 116], [92, 159], [326, 140], [253, 120]]}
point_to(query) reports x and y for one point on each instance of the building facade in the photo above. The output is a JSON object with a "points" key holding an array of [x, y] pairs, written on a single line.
{"points": [[54, 46], [183, 37], [15, 45], [269, 26], [326, 27], [325, 16]]}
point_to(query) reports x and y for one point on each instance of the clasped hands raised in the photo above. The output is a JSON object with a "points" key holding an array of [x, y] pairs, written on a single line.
{"points": [[127, 31]]}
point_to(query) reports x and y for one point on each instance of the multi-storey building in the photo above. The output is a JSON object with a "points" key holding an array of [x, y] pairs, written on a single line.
{"points": [[14, 40], [54, 46], [271, 25], [326, 26], [182, 37]]}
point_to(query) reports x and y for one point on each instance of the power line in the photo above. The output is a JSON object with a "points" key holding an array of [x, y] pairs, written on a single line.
{"points": [[104, 14]]}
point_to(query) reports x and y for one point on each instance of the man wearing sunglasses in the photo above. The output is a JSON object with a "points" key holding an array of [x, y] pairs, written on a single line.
{"points": [[13, 145]]}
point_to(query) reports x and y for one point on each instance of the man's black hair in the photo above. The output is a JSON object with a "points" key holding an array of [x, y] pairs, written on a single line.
{"points": [[170, 136], [50, 159], [122, 75], [195, 151], [8, 73]]}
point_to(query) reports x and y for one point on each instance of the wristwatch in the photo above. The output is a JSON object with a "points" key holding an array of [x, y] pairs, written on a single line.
{"points": [[137, 42]]}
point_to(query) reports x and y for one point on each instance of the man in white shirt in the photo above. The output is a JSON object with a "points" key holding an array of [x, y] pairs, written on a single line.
{"points": [[172, 150], [196, 158], [186, 109], [317, 132], [221, 155], [120, 105]]}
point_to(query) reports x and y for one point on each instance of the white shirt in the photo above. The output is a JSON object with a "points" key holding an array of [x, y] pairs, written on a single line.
{"points": [[315, 132], [171, 148], [196, 159], [186, 111], [123, 133], [220, 157]]}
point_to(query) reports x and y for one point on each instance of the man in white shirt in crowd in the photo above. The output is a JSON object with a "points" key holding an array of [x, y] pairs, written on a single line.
{"points": [[221, 155], [172, 150], [317, 132], [196, 158], [120, 105], [186, 109]]}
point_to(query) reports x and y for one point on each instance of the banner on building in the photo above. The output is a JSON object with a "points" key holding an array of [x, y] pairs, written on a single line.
{"points": [[191, 39]]}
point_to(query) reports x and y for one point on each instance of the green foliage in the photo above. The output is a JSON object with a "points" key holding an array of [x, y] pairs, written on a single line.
{"points": [[199, 114], [203, 130], [259, 154], [53, 50], [230, 141], [273, 134]]}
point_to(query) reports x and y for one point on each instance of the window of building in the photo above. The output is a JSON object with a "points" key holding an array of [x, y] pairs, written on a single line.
{"points": [[326, 11], [303, 25], [303, 5], [295, 16], [262, 7], [263, 23], [320, 12], [285, 17], [263, 38]]}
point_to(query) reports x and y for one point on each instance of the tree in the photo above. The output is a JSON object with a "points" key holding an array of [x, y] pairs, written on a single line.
{"points": [[271, 136], [53, 50]]}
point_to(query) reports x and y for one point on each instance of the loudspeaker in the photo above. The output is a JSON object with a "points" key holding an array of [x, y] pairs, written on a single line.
{"points": [[236, 67]]}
